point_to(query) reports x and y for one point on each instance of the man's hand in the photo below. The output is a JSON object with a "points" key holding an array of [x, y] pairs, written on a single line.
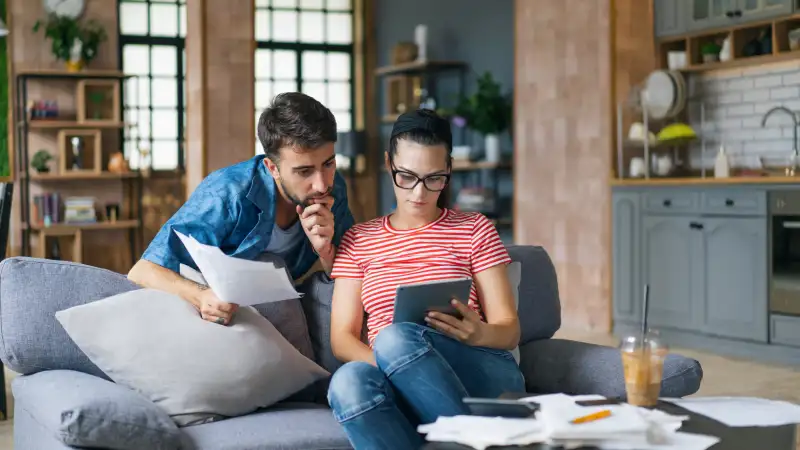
{"points": [[215, 310], [317, 222], [469, 329]]}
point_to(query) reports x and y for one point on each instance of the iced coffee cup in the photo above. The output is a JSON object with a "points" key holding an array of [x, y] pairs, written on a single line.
{"points": [[643, 366]]}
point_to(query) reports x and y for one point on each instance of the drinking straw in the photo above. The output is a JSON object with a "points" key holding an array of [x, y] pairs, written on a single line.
{"points": [[645, 308]]}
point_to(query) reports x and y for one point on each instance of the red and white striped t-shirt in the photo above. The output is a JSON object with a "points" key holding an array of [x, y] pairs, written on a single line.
{"points": [[455, 245]]}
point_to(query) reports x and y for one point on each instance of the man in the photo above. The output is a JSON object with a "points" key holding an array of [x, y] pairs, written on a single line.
{"points": [[290, 202]]}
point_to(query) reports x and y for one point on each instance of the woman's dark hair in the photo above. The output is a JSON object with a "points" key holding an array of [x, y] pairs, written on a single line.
{"points": [[296, 120], [424, 127]]}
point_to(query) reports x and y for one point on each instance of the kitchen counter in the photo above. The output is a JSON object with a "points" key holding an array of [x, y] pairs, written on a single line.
{"points": [[691, 181], [705, 249]]}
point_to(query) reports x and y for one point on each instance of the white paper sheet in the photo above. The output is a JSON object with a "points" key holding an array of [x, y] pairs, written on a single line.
{"points": [[236, 280], [483, 432], [626, 429], [742, 411], [678, 441]]}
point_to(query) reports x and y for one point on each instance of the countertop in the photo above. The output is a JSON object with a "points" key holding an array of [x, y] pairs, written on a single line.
{"points": [[689, 181]]}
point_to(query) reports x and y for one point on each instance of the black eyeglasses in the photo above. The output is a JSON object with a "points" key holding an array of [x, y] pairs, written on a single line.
{"points": [[408, 180]]}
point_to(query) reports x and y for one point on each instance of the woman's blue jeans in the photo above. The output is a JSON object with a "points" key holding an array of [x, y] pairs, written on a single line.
{"points": [[422, 374]]}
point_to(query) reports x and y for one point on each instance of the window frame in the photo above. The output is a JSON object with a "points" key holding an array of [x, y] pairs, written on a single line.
{"points": [[300, 46], [179, 43]]}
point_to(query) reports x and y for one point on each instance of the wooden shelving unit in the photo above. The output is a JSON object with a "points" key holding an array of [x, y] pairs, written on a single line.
{"points": [[740, 36], [98, 109], [58, 124], [404, 85]]}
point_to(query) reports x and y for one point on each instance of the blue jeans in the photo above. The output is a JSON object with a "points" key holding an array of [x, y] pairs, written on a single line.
{"points": [[421, 375]]}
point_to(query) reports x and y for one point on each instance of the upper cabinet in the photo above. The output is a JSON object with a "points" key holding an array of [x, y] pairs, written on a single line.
{"points": [[752, 10], [670, 17], [674, 17], [705, 14]]}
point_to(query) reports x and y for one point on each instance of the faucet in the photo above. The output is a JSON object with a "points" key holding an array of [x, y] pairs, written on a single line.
{"points": [[793, 166]]}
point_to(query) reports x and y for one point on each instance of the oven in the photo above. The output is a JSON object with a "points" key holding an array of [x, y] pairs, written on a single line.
{"points": [[784, 252]]}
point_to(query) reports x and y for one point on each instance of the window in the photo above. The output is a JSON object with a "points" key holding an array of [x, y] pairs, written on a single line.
{"points": [[152, 38], [306, 46]]}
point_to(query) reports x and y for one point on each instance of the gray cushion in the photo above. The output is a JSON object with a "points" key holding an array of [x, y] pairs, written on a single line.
{"points": [[557, 365], [288, 427], [86, 411], [156, 343], [316, 301], [31, 291], [539, 304]]}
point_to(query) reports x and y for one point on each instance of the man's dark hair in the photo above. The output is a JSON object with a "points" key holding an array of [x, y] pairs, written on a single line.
{"points": [[294, 119]]}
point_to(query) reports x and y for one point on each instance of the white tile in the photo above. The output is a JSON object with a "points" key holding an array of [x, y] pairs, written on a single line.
{"points": [[791, 92], [769, 81], [755, 95]]}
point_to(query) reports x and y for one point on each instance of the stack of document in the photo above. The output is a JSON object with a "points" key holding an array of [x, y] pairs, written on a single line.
{"points": [[626, 428], [236, 280]]}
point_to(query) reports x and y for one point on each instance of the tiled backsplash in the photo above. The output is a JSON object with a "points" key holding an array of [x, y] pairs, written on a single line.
{"points": [[735, 102]]}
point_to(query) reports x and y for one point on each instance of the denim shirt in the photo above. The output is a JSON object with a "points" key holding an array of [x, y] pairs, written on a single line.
{"points": [[234, 209]]}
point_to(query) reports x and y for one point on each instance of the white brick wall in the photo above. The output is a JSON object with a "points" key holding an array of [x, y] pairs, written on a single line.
{"points": [[735, 102]]}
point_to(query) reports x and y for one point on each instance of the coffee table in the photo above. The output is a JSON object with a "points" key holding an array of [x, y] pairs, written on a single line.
{"points": [[731, 438]]}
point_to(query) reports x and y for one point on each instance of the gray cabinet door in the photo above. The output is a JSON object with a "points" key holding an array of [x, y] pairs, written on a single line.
{"points": [[753, 10], [706, 14], [669, 17], [735, 278], [625, 255], [670, 265]]}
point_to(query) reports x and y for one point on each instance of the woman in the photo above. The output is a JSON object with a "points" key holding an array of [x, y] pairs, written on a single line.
{"points": [[407, 373]]}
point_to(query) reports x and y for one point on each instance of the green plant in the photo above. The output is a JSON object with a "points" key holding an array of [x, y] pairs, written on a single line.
{"points": [[710, 48], [488, 110], [40, 160], [63, 31]]}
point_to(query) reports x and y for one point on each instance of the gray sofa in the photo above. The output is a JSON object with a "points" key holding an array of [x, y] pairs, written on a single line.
{"points": [[57, 379]]}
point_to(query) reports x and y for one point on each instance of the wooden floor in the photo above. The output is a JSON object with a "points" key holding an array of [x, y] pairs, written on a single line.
{"points": [[722, 376]]}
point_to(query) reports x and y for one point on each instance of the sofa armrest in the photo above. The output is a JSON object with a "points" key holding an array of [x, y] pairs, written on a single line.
{"points": [[577, 368], [82, 410]]}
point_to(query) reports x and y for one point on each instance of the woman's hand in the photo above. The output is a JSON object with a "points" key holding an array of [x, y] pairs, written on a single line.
{"points": [[469, 329]]}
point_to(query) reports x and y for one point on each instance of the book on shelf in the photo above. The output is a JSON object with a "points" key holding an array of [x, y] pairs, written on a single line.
{"points": [[79, 210], [46, 209], [49, 209]]}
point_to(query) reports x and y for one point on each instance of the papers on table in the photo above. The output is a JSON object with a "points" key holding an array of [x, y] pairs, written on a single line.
{"points": [[742, 411], [483, 432], [627, 428], [237, 280]]}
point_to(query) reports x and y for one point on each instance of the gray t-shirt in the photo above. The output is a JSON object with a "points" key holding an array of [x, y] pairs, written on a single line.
{"points": [[286, 243]]}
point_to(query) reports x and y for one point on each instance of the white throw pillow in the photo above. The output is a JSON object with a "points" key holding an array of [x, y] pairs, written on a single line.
{"points": [[157, 344], [514, 271]]}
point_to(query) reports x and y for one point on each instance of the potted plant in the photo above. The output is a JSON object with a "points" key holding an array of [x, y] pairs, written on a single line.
{"points": [[489, 112], [40, 160], [710, 52], [72, 42]]}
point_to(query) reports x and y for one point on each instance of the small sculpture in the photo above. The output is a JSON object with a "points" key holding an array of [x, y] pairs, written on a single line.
{"points": [[117, 163], [77, 147], [75, 62]]}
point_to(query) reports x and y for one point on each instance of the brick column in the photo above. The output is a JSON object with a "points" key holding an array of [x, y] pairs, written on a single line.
{"points": [[220, 91]]}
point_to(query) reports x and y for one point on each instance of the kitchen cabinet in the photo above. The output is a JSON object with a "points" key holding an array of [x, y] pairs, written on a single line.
{"points": [[753, 10], [733, 282], [704, 255], [626, 257], [708, 14], [669, 17]]}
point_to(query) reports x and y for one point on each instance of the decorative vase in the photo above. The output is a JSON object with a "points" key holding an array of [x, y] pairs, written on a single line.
{"points": [[74, 66], [491, 146]]}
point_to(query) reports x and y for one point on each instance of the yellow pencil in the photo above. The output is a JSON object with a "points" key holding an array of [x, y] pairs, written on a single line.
{"points": [[592, 417]]}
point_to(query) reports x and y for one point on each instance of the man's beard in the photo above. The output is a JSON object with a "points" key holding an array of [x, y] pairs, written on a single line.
{"points": [[304, 203]]}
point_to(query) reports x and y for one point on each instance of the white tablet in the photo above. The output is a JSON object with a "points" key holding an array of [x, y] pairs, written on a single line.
{"points": [[412, 302]]}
